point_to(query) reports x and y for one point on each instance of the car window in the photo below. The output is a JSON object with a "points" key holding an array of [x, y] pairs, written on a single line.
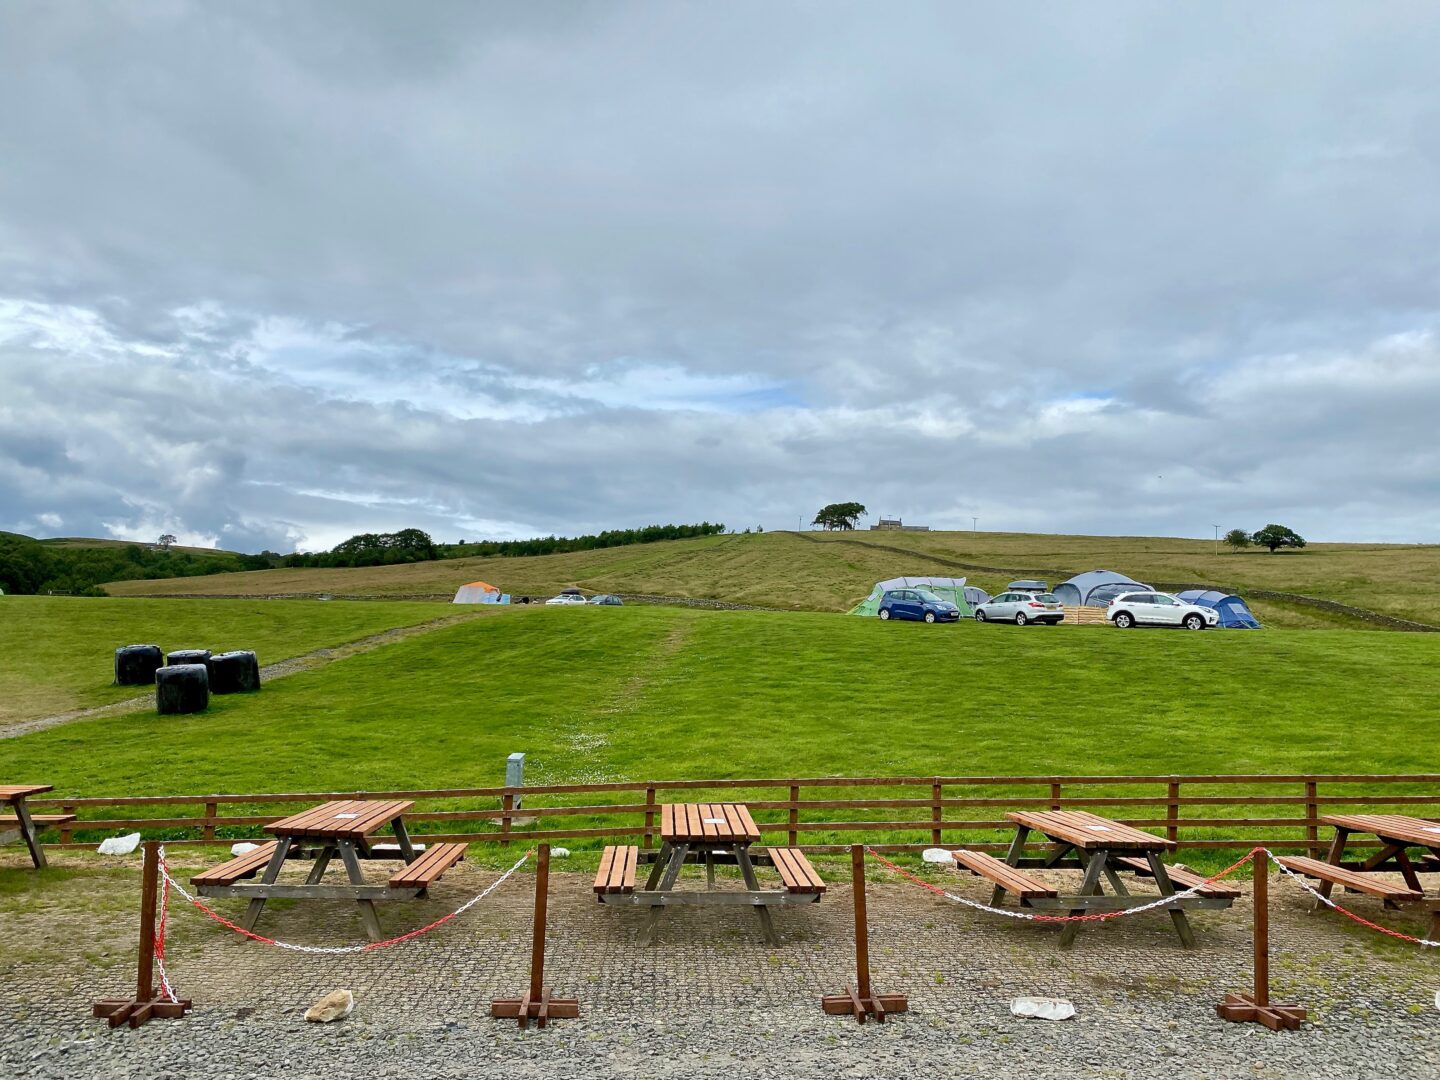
{"points": [[928, 597], [1047, 598], [1165, 601]]}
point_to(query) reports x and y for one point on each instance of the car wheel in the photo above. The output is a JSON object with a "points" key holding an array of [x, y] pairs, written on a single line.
{"points": [[929, 616], [1020, 619], [1194, 622], [1124, 620], [884, 614], [979, 616]]}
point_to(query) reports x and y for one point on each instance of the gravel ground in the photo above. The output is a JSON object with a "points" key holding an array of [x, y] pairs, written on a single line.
{"points": [[710, 1000]]}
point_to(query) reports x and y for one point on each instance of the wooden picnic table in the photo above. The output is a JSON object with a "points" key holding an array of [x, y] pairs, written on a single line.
{"points": [[1102, 848], [345, 828], [709, 833], [23, 825], [1396, 833]]}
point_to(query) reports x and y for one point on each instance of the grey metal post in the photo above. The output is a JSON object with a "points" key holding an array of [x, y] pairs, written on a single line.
{"points": [[515, 774]]}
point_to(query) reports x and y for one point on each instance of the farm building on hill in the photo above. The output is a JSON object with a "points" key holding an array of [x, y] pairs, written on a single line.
{"points": [[896, 525]]}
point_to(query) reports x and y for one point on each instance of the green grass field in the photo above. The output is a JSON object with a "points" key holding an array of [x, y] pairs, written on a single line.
{"points": [[59, 651], [832, 571], [660, 693]]}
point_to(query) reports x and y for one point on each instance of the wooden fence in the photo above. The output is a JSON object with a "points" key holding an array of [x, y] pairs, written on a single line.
{"points": [[892, 813]]}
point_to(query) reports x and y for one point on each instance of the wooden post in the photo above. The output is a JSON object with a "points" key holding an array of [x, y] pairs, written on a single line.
{"points": [[537, 1004], [507, 804], [1312, 812], [935, 814], [649, 841], [1054, 796], [144, 1005], [792, 837], [1172, 812], [1256, 1006], [212, 810], [859, 1000], [65, 833]]}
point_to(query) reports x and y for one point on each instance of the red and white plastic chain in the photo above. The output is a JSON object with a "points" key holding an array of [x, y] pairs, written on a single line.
{"points": [[211, 913], [165, 986], [1099, 916], [1349, 914]]}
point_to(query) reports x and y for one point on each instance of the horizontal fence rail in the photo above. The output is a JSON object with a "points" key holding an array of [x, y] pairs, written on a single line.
{"points": [[891, 813]]}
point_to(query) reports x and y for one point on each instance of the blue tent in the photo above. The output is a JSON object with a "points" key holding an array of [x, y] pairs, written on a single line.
{"points": [[1096, 588], [1234, 615]]}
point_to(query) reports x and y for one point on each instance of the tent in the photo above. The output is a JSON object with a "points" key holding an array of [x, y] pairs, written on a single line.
{"points": [[975, 596], [1234, 613], [479, 592], [1095, 588], [947, 588]]}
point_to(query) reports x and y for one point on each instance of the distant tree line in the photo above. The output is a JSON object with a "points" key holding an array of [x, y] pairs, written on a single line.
{"points": [[27, 566]]}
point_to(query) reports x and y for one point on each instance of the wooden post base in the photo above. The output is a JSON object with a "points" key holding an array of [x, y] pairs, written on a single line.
{"points": [[135, 1012], [541, 1009], [1241, 1008], [851, 1003]]}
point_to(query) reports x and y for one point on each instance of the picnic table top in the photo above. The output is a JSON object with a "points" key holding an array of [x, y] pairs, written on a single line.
{"points": [[1412, 830], [686, 823], [1089, 832], [14, 792], [344, 820]]}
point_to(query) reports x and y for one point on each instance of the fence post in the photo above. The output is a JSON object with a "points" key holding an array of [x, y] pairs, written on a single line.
{"points": [[650, 816], [793, 836], [935, 814], [515, 775], [212, 810], [1172, 812], [1312, 826], [537, 1004], [1256, 1006], [507, 804], [1054, 796], [65, 833], [144, 1005], [859, 1000]]}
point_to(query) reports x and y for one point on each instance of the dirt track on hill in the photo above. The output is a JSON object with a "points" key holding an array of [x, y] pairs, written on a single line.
{"points": [[268, 673]]}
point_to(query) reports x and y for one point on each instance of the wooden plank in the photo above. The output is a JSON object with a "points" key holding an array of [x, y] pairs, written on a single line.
{"points": [[1181, 879], [602, 875], [12, 792], [752, 831], [1414, 831], [628, 867], [1351, 879], [426, 869], [252, 862], [1016, 882]]}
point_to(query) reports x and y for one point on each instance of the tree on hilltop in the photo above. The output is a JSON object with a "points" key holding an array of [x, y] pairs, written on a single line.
{"points": [[1277, 536], [844, 515], [1237, 539]]}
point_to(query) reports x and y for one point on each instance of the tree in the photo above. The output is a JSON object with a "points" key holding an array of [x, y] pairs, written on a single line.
{"points": [[1277, 536], [1237, 539], [844, 515], [166, 539]]}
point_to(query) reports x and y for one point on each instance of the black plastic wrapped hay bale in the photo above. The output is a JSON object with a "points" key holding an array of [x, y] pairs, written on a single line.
{"points": [[190, 656], [182, 688], [135, 665], [234, 673]]}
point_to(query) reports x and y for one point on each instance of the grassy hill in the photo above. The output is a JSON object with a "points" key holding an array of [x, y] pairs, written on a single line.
{"points": [[58, 650], [832, 571], [596, 694]]}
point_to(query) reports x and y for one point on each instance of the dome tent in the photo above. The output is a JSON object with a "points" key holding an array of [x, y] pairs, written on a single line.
{"points": [[1235, 614], [947, 588], [1095, 588], [479, 592]]}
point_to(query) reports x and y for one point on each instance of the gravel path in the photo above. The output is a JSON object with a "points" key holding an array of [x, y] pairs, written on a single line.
{"points": [[712, 1001]]}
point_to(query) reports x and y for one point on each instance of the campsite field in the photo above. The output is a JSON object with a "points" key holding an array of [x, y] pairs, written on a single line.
{"points": [[816, 571], [597, 694], [58, 650]]}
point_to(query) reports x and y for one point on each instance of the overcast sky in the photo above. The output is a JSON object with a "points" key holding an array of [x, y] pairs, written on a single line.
{"points": [[275, 273]]}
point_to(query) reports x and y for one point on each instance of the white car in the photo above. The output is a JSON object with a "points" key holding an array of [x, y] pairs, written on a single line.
{"points": [[1021, 608], [1159, 609], [565, 599]]}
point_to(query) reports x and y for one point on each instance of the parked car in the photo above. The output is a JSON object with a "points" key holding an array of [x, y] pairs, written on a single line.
{"points": [[919, 604], [606, 600], [565, 598], [1159, 609], [1021, 608]]}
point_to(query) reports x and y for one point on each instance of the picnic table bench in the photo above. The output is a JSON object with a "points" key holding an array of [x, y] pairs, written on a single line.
{"points": [[1396, 833], [23, 825], [343, 829], [710, 834], [1101, 848]]}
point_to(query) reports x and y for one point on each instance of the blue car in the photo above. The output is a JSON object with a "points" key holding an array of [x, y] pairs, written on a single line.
{"points": [[917, 604]]}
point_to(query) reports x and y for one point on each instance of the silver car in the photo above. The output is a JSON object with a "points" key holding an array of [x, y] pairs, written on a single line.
{"points": [[1021, 608]]}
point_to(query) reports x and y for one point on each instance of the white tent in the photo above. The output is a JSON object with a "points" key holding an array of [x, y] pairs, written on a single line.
{"points": [[479, 592]]}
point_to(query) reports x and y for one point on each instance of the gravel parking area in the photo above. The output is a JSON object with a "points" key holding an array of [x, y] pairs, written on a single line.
{"points": [[710, 1000]]}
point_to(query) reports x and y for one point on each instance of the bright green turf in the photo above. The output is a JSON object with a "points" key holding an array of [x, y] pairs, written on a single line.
{"points": [[657, 693], [57, 652]]}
